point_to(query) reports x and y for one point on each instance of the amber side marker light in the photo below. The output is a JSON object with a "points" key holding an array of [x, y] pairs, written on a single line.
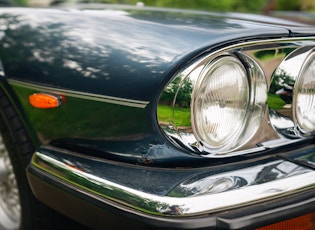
{"points": [[46, 101], [305, 222]]}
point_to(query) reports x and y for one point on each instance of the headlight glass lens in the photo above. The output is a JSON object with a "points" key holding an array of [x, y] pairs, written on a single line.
{"points": [[220, 103], [304, 96]]}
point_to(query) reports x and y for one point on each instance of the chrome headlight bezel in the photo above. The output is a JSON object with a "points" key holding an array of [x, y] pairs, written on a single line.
{"points": [[264, 126], [304, 97], [238, 103]]}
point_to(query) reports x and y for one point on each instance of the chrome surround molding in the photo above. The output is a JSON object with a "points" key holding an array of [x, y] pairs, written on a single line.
{"points": [[265, 180], [279, 60], [83, 95]]}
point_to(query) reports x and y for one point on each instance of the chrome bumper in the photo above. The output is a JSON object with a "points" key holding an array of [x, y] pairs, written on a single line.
{"points": [[190, 192]]}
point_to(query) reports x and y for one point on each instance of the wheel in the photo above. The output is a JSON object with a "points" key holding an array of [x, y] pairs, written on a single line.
{"points": [[19, 209], [10, 205]]}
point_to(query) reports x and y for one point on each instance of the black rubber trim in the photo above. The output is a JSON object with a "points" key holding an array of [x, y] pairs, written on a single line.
{"points": [[268, 212]]}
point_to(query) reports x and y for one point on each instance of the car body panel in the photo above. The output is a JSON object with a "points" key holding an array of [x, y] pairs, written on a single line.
{"points": [[86, 61], [99, 70], [103, 150]]}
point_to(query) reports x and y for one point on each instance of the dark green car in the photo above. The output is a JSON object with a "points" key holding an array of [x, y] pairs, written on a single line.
{"points": [[152, 118]]}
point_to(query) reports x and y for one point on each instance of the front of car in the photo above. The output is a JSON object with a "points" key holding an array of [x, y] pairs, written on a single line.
{"points": [[163, 118]]}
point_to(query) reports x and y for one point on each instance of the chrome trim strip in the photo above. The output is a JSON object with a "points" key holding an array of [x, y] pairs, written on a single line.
{"points": [[83, 95], [81, 172]]}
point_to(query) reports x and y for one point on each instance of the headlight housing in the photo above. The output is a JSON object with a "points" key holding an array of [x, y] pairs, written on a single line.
{"points": [[223, 104], [240, 99]]}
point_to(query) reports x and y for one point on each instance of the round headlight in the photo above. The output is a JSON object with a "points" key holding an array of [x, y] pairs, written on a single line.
{"points": [[227, 104], [220, 103], [304, 96]]}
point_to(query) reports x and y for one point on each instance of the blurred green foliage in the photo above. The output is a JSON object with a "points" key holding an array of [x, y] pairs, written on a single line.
{"points": [[222, 5], [177, 115], [227, 5], [212, 5], [13, 2], [21, 2]]}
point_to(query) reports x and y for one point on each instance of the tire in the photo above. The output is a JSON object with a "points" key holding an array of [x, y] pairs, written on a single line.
{"points": [[19, 209]]}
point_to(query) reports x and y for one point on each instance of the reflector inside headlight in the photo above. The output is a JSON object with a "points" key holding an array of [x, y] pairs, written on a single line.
{"points": [[304, 96]]}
